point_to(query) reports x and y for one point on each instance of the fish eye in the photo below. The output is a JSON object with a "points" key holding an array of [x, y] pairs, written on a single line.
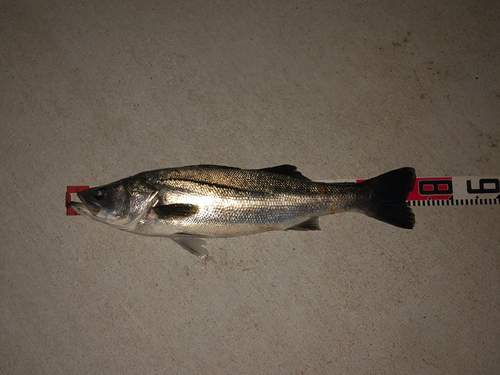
{"points": [[100, 194]]}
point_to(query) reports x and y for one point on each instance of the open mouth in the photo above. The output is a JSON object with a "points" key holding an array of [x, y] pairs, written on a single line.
{"points": [[92, 207]]}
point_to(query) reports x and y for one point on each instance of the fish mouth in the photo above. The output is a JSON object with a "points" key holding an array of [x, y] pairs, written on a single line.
{"points": [[93, 208], [79, 207]]}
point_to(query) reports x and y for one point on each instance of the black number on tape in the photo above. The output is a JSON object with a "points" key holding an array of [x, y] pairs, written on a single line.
{"points": [[484, 189]]}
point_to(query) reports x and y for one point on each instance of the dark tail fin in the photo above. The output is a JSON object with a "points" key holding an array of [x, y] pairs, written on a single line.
{"points": [[388, 194]]}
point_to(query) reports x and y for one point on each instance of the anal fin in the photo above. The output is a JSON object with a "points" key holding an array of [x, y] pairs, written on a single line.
{"points": [[311, 224]]}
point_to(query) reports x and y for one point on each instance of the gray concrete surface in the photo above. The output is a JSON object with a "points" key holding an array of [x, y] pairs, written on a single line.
{"points": [[94, 91]]}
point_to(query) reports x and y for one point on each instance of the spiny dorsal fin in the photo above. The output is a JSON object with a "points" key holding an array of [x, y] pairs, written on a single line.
{"points": [[286, 170], [311, 224], [176, 210]]}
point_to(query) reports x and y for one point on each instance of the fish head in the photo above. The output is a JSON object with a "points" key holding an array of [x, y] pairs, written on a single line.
{"points": [[120, 204]]}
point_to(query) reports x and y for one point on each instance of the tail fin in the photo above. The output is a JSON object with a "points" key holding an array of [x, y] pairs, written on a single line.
{"points": [[388, 194]]}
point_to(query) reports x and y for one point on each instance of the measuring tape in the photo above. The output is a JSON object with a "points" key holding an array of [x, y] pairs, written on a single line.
{"points": [[455, 191], [428, 191]]}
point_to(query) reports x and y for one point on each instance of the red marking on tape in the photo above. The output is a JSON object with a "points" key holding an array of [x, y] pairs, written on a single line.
{"points": [[72, 190], [435, 188]]}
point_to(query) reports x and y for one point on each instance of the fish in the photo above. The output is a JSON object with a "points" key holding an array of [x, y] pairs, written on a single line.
{"points": [[192, 203]]}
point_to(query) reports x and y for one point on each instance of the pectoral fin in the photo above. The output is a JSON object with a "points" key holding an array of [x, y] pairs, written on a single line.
{"points": [[194, 245], [311, 224], [174, 211]]}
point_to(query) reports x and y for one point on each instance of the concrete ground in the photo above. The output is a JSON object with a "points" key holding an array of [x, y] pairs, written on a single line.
{"points": [[99, 90]]}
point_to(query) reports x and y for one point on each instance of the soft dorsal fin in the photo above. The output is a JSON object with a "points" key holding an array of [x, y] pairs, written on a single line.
{"points": [[176, 210], [286, 170], [311, 224], [211, 166]]}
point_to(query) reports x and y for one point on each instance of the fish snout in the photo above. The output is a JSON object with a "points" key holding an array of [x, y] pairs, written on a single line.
{"points": [[93, 208]]}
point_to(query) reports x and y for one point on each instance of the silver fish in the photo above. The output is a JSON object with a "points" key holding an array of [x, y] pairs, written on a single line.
{"points": [[190, 203]]}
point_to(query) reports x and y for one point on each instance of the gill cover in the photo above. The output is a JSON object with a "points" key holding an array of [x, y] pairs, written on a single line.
{"points": [[120, 204]]}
